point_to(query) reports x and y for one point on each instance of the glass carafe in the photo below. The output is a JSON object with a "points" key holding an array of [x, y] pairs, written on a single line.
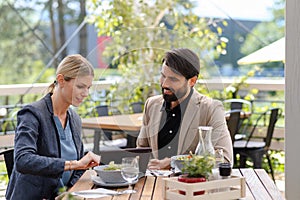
{"points": [[205, 146]]}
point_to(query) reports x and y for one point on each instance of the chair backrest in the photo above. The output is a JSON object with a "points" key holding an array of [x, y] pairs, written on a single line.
{"points": [[137, 107], [233, 123], [273, 115], [105, 110], [238, 104], [102, 110], [9, 160]]}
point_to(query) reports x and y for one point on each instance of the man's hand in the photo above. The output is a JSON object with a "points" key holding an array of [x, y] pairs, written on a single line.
{"points": [[155, 164]]}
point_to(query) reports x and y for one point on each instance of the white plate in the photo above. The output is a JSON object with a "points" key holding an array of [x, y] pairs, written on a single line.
{"points": [[98, 181]]}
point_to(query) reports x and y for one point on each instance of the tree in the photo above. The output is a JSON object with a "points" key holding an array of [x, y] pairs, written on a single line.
{"points": [[266, 32], [26, 47], [20, 49], [141, 31], [83, 31], [61, 14]]}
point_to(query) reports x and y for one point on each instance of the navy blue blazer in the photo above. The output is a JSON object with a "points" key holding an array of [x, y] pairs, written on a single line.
{"points": [[38, 165]]}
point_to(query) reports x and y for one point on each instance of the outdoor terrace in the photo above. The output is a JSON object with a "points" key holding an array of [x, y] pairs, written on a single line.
{"points": [[38, 89]]}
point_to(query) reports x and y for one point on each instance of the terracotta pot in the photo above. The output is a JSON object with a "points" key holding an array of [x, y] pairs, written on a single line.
{"points": [[186, 179]]}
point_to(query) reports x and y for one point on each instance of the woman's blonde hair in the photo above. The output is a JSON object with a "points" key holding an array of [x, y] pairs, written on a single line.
{"points": [[71, 67]]}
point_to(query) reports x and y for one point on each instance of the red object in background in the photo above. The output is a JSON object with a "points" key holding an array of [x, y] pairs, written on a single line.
{"points": [[186, 179], [101, 43]]}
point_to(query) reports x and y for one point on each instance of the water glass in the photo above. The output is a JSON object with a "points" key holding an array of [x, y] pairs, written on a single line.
{"points": [[130, 170]]}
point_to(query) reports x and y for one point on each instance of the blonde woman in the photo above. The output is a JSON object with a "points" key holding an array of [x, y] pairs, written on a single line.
{"points": [[48, 151]]}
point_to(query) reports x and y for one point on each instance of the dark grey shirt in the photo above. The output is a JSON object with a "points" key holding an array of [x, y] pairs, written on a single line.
{"points": [[169, 128]]}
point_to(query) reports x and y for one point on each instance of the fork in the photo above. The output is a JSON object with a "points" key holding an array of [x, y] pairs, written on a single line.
{"points": [[112, 193], [105, 193], [156, 173]]}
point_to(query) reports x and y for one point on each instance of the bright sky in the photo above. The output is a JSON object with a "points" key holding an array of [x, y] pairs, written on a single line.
{"points": [[236, 9]]}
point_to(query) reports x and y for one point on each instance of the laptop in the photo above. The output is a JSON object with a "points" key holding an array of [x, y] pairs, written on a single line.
{"points": [[116, 155]]}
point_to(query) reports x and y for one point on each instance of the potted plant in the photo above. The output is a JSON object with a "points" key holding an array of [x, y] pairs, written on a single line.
{"points": [[196, 168]]}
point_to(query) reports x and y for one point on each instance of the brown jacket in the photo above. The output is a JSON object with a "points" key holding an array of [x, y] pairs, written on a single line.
{"points": [[200, 111]]}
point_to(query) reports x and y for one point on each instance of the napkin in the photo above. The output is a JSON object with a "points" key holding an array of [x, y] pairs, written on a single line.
{"points": [[95, 193], [158, 172]]}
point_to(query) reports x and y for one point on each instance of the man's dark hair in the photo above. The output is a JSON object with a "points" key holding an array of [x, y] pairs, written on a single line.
{"points": [[183, 61]]}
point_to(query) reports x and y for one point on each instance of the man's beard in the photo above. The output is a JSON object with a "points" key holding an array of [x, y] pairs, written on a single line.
{"points": [[170, 98], [175, 95]]}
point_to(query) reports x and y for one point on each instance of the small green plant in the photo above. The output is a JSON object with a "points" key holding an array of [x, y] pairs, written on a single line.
{"points": [[198, 166]]}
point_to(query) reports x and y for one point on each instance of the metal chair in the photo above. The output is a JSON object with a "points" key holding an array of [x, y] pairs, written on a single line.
{"points": [[233, 123], [245, 108], [9, 160], [103, 110], [257, 149], [137, 107], [238, 104]]}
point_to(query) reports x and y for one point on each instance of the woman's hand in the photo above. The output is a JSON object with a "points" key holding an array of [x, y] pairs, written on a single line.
{"points": [[87, 161], [155, 164]]}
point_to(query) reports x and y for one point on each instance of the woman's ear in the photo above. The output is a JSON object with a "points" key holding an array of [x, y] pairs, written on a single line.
{"points": [[60, 80], [192, 81]]}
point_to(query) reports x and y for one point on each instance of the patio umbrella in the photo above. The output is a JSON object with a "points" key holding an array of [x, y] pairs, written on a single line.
{"points": [[273, 52]]}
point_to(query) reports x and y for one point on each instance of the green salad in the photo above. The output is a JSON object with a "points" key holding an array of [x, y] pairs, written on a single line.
{"points": [[112, 166]]}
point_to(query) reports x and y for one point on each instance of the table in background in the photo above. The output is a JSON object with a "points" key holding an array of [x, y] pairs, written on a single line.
{"points": [[129, 123], [258, 186], [7, 141]]}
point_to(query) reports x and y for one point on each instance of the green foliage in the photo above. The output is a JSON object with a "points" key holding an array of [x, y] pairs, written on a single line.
{"points": [[198, 166], [141, 32], [86, 109], [21, 52], [263, 34], [277, 160], [232, 90], [267, 32], [3, 174], [64, 194]]}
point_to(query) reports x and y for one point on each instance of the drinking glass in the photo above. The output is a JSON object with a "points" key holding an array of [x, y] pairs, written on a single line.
{"points": [[130, 170], [219, 155]]}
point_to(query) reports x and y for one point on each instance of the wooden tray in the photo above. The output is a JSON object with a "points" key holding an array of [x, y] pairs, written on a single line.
{"points": [[222, 189]]}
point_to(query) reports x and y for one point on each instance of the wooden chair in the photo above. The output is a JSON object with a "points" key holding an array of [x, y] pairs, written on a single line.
{"points": [[9, 160], [254, 149]]}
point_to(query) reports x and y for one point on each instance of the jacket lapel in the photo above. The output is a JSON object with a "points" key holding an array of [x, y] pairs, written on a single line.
{"points": [[189, 118], [156, 123]]}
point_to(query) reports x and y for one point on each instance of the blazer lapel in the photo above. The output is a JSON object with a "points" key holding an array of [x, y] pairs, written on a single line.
{"points": [[188, 119], [155, 127]]}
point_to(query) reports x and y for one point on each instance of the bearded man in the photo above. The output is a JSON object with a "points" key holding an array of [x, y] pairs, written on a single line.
{"points": [[171, 120]]}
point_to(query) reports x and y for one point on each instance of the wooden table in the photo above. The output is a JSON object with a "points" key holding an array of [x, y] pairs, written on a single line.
{"points": [[258, 186], [7, 141], [129, 123]]}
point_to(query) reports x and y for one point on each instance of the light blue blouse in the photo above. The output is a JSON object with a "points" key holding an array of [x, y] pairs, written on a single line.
{"points": [[67, 148]]}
